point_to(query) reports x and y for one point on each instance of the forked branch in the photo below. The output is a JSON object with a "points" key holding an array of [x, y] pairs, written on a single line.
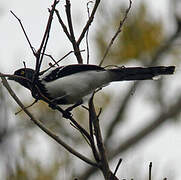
{"points": [[42, 126]]}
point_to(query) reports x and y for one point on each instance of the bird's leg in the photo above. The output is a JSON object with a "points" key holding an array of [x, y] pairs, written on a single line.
{"points": [[56, 101], [60, 100], [53, 105], [74, 106]]}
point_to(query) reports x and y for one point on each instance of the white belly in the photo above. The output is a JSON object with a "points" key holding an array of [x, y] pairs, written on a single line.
{"points": [[76, 86]]}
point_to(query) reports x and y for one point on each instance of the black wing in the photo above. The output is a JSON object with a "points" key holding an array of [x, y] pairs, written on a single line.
{"points": [[70, 69]]}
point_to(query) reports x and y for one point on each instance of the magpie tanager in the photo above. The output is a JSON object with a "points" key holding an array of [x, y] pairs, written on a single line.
{"points": [[70, 84]]}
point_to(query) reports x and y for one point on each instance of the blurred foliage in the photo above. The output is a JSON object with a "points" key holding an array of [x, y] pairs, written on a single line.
{"points": [[141, 36], [33, 170]]}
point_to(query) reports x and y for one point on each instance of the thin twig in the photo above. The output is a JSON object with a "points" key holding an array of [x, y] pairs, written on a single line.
{"points": [[24, 64], [81, 134], [22, 27], [43, 127], [51, 104], [63, 24], [117, 167], [116, 34], [166, 46], [69, 20], [91, 18], [94, 150], [43, 45], [35, 101], [85, 107], [72, 35], [91, 129], [59, 61], [65, 114], [87, 33], [51, 57], [104, 166], [103, 157], [150, 168], [99, 113], [173, 110]]}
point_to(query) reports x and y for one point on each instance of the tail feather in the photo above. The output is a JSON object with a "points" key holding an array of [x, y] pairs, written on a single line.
{"points": [[139, 73]]}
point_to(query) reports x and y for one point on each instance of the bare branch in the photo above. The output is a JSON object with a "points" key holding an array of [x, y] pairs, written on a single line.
{"points": [[69, 19], [73, 41], [94, 150], [43, 127], [32, 48], [91, 18], [51, 57], [100, 145], [52, 104], [116, 34], [35, 101], [166, 46], [41, 51], [104, 166], [63, 25], [87, 33], [174, 110], [87, 141], [150, 169], [117, 167], [59, 61]]}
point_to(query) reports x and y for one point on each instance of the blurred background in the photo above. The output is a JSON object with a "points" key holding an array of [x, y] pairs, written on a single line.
{"points": [[140, 121]]}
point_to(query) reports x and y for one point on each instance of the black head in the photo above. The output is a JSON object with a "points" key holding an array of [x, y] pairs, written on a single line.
{"points": [[25, 73]]}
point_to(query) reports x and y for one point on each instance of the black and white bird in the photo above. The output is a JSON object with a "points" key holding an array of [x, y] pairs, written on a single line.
{"points": [[70, 84]]}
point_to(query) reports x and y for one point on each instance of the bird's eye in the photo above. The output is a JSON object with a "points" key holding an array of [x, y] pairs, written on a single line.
{"points": [[22, 72]]}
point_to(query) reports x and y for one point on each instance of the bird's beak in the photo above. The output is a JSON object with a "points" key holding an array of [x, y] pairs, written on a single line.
{"points": [[12, 78]]}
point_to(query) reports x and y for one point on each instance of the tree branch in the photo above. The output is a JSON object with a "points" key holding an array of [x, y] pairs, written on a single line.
{"points": [[27, 38], [73, 41], [63, 25], [41, 51], [43, 127], [167, 45], [104, 166], [173, 111], [90, 20], [116, 34]]}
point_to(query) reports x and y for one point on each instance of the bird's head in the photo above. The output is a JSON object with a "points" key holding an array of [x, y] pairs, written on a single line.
{"points": [[25, 73]]}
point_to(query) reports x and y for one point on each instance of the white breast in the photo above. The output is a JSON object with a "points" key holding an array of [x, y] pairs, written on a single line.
{"points": [[78, 85]]}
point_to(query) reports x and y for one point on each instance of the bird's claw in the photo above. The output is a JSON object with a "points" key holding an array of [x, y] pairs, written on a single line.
{"points": [[67, 114], [53, 106]]}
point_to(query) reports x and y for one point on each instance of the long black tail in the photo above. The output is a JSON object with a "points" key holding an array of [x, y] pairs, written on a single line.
{"points": [[139, 73]]}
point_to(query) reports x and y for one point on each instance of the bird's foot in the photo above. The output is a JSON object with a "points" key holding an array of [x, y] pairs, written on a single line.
{"points": [[67, 114], [52, 106]]}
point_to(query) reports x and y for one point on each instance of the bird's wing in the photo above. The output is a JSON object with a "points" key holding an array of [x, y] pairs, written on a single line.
{"points": [[69, 70]]}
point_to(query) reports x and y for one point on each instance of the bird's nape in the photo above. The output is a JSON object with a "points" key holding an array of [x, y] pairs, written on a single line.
{"points": [[23, 76]]}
